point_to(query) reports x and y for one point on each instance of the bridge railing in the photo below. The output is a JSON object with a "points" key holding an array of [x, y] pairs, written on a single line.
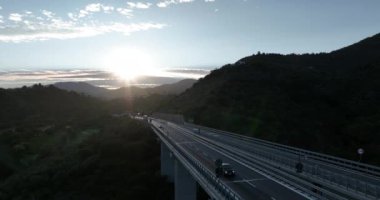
{"points": [[224, 190], [349, 164]]}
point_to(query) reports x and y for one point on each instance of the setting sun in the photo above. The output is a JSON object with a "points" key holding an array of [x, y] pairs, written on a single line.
{"points": [[129, 63]]}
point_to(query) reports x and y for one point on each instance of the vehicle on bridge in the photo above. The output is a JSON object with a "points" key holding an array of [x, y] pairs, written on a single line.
{"points": [[223, 169], [227, 170]]}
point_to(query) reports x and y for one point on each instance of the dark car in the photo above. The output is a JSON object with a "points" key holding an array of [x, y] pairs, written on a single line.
{"points": [[227, 170]]}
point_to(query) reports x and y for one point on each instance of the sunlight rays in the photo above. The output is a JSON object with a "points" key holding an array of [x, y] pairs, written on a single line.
{"points": [[129, 63]]}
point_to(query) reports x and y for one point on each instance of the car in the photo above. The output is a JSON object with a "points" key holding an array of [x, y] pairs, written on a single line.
{"points": [[227, 170]]}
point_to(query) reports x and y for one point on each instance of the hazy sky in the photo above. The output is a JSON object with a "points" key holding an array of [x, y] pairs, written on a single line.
{"points": [[174, 33]]}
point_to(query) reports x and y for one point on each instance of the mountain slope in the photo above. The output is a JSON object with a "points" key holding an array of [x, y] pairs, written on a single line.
{"points": [[126, 92], [326, 102], [176, 88], [82, 87], [37, 102]]}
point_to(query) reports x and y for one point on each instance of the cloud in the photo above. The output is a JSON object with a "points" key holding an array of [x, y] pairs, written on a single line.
{"points": [[59, 29], [16, 17], [102, 78], [12, 79], [26, 26], [139, 5], [47, 13], [107, 9], [93, 8], [166, 3], [72, 16], [186, 73], [125, 11]]}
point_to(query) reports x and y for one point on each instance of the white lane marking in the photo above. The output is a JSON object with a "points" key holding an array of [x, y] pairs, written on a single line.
{"points": [[249, 180], [212, 134], [242, 181], [273, 198], [251, 184], [186, 142]]}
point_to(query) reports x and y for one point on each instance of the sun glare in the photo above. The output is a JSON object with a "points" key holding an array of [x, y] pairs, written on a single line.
{"points": [[129, 63]]}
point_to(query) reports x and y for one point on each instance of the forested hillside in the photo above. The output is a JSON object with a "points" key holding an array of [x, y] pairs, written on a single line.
{"points": [[61, 145], [328, 102]]}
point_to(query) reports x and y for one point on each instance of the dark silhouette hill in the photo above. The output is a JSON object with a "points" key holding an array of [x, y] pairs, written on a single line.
{"points": [[126, 92], [45, 102], [56, 144], [362, 53], [328, 102]]}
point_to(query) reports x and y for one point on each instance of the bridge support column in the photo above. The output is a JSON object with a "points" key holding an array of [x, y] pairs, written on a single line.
{"points": [[167, 163], [185, 186]]}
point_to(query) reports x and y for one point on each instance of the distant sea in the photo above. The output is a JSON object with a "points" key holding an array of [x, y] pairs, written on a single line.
{"points": [[100, 78]]}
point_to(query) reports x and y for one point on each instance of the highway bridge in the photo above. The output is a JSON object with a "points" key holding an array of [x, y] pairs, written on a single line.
{"points": [[264, 170]]}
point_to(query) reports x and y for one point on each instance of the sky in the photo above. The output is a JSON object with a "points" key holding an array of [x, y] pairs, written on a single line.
{"points": [[181, 34]]}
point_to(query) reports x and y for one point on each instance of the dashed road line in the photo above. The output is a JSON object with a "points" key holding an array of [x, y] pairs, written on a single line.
{"points": [[249, 180], [186, 142]]}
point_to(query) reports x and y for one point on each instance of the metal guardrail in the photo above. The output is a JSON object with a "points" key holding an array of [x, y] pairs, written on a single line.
{"points": [[217, 184], [321, 176]]}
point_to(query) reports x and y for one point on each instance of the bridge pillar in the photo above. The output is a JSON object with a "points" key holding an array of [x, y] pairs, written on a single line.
{"points": [[185, 186], [167, 163]]}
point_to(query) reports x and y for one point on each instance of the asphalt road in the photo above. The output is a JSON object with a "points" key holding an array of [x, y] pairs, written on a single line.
{"points": [[249, 184], [314, 168]]}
